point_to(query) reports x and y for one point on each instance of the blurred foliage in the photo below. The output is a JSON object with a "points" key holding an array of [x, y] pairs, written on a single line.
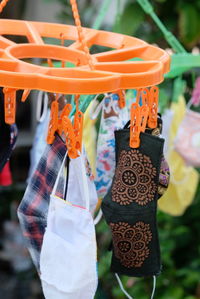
{"points": [[179, 16], [179, 236]]}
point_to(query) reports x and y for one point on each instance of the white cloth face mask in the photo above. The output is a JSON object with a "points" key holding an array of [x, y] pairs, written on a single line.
{"points": [[68, 260]]}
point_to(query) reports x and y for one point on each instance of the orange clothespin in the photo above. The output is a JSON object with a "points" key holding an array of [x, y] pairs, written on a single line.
{"points": [[144, 94], [9, 105], [122, 98], [78, 125], [25, 95], [70, 137], [153, 107], [65, 112], [144, 112], [134, 126], [53, 123], [139, 116]]}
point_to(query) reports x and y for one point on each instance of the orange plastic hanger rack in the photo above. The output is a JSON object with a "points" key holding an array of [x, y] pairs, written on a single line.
{"points": [[111, 70]]}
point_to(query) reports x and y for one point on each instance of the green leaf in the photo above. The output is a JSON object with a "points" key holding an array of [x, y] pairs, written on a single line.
{"points": [[189, 24], [131, 19]]}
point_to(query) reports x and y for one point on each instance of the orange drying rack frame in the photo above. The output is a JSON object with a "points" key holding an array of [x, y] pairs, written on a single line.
{"points": [[111, 70]]}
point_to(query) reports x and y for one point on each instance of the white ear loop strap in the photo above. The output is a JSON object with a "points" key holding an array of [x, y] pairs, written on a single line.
{"points": [[98, 217], [125, 292], [154, 287], [121, 287], [95, 108], [42, 97], [59, 174]]}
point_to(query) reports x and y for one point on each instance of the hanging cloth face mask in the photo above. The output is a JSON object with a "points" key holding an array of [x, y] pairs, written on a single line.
{"points": [[184, 180], [68, 255], [39, 142], [112, 118], [187, 142], [33, 209], [131, 203], [164, 175]]}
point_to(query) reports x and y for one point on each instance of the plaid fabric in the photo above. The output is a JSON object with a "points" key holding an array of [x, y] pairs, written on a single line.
{"points": [[33, 209]]}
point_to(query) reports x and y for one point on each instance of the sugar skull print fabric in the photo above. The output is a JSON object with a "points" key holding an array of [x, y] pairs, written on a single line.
{"points": [[112, 118]]}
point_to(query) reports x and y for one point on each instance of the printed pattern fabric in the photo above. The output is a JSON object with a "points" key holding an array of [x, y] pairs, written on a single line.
{"points": [[112, 119], [131, 243], [164, 177], [134, 179], [131, 203]]}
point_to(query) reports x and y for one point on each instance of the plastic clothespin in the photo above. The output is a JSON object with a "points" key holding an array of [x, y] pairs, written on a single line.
{"points": [[144, 94], [122, 98], [25, 95], [9, 105], [144, 113], [153, 107], [134, 126], [65, 112], [70, 137], [139, 116], [53, 123], [78, 125]]}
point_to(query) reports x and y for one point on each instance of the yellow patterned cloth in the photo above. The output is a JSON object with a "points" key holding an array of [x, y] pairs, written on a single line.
{"points": [[183, 180], [90, 139]]}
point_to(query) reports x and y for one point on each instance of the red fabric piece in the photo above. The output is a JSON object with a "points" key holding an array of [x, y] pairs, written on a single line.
{"points": [[5, 175]]}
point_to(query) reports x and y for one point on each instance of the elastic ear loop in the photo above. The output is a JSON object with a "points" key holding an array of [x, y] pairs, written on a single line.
{"points": [[122, 287], [42, 97], [96, 107], [98, 217], [125, 292], [154, 287]]}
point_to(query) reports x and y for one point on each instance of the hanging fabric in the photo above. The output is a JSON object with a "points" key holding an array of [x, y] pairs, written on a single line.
{"points": [[68, 256], [187, 141], [184, 180], [39, 142], [33, 209], [130, 206], [6, 176], [112, 118]]}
